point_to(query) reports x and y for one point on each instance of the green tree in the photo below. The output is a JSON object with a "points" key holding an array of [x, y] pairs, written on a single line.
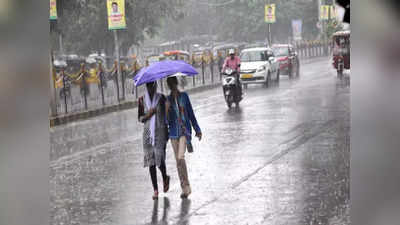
{"points": [[84, 25], [332, 26], [243, 20]]}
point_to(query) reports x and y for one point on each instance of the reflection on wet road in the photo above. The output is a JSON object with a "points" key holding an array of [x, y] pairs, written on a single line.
{"points": [[282, 157]]}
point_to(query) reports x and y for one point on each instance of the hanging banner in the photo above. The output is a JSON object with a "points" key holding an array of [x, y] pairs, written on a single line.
{"points": [[53, 9], [333, 12], [324, 12], [296, 29], [116, 14], [270, 13]]}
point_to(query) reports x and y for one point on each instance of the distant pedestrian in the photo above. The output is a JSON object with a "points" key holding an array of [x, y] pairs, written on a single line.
{"points": [[82, 80], [220, 61], [211, 65], [152, 113], [101, 76], [181, 119]]}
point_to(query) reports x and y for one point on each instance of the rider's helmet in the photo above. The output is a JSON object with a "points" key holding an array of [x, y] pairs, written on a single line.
{"points": [[231, 51]]}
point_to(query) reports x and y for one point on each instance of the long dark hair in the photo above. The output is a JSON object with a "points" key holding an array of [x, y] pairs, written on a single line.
{"points": [[171, 81]]}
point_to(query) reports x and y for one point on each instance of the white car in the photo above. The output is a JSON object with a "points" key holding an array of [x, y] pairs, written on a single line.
{"points": [[258, 65]]}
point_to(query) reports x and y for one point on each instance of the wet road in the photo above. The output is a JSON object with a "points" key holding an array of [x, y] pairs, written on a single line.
{"points": [[281, 158]]}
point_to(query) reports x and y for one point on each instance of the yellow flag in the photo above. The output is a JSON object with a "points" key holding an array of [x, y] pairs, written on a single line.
{"points": [[333, 12], [116, 14], [324, 12], [270, 13], [53, 10]]}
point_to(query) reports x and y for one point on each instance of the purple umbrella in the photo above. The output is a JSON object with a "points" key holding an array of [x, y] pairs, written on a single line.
{"points": [[162, 69]]}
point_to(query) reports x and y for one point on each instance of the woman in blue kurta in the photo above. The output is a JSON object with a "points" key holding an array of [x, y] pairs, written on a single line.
{"points": [[181, 119]]}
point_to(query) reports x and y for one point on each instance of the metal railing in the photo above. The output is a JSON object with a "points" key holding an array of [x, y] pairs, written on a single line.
{"points": [[82, 92], [312, 49]]}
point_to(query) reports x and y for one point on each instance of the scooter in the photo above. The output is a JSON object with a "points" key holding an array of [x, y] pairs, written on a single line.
{"points": [[230, 87]]}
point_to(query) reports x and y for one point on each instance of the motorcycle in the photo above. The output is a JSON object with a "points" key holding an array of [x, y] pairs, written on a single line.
{"points": [[230, 87]]}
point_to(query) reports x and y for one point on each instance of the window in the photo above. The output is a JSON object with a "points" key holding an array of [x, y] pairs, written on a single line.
{"points": [[270, 54], [254, 56], [281, 51]]}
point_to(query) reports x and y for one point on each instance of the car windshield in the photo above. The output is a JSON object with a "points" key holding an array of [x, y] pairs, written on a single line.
{"points": [[253, 56], [281, 51]]}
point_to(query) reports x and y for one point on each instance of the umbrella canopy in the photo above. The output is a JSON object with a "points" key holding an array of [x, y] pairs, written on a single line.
{"points": [[162, 69]]}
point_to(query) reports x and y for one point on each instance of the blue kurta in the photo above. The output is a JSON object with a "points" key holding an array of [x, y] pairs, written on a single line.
{"points": [[185, 111]]}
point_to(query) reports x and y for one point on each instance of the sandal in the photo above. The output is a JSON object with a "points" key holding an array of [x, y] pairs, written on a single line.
{"points": [[184, 195], [186, 192], [155, 196], [166, 184]]}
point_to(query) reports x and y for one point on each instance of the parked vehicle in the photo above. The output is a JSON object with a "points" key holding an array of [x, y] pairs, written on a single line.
{"points": [[177, 55], [152, 59], [96, 58], [341, 51], [257, 44], [196, 58], [224, 48], [258, 65], [289, 63], [230, 87]]}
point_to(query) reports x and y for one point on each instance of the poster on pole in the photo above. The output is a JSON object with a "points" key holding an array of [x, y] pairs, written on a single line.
{"points": [[116, 14], [296, 29], [53, 10], [270, 13], [324, 12]]}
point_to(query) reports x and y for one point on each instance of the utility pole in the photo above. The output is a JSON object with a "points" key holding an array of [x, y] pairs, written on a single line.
{"points": [[319, 18], [269, 22], [60, 39], [321, 21], [53, 28], [269, 29], [119, 77], [116, 21], [53, 107]]}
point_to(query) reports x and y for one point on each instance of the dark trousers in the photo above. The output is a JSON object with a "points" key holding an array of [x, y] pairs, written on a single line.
{"points": [[153, 174]]}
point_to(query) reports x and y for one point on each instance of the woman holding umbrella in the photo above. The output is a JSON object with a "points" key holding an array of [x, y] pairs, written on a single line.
{"points": [[152, 113]]}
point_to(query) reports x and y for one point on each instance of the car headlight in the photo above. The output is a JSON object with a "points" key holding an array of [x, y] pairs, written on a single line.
{"points": [[261, 68]]}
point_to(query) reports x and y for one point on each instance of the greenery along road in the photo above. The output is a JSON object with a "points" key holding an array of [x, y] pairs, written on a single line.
{"points": [[83, 23]]}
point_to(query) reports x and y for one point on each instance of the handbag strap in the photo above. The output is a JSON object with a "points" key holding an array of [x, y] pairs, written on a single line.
{"points": [[179, 113]]}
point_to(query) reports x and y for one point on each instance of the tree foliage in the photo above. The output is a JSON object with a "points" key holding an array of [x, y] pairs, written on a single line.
{"points": [[243, 20], [84, 25]]}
